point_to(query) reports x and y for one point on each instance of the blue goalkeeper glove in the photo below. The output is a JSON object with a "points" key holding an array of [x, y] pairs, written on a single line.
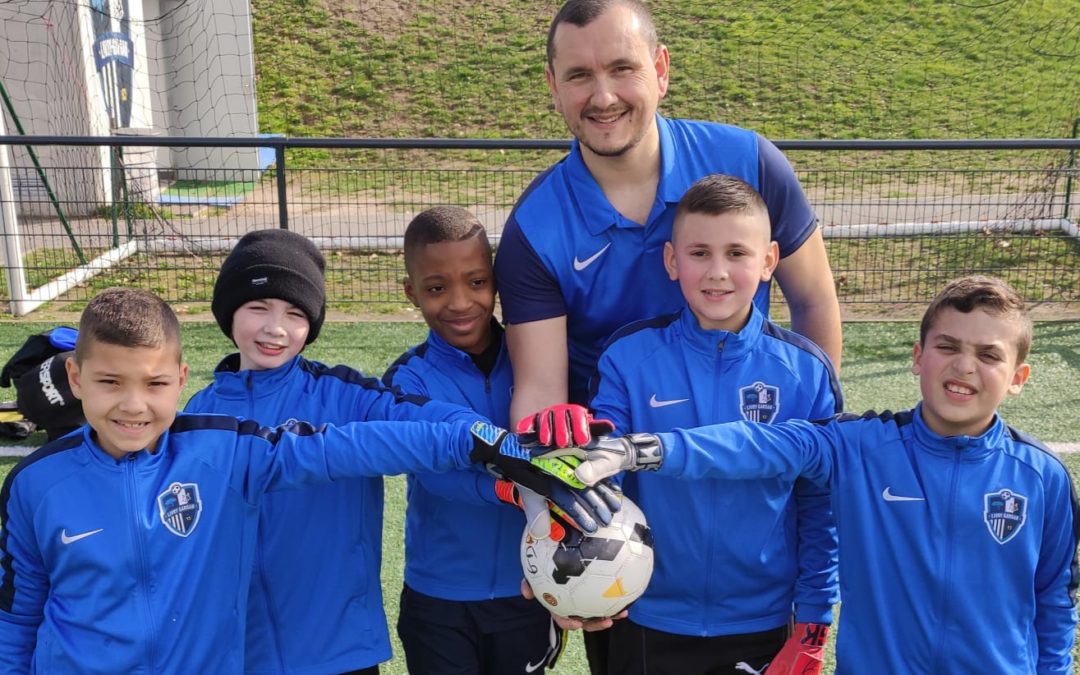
{"points": [[542, 518], [588, 507]]}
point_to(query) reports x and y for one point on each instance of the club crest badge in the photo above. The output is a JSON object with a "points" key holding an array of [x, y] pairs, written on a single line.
{"points": [[1004, 513], [180, 507], [759, 402]]}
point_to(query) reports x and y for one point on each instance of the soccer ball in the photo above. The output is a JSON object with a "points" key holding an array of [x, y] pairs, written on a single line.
{"points": [[591, 575]]}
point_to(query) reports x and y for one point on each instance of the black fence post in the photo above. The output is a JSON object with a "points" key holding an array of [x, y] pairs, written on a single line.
{"points": [[283, 203], [1069, 175]]}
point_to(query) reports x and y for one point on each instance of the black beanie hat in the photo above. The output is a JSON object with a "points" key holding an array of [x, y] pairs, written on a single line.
{"points": [[272, 264]]}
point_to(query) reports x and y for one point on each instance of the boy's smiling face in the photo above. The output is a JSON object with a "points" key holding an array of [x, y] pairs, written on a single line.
{"points": [[967, 365], [129, 394], [719, 261], [269, 333], [453, 285]]}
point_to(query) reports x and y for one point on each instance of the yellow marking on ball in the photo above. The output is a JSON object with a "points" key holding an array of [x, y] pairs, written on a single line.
{"points": [[615, 590]]}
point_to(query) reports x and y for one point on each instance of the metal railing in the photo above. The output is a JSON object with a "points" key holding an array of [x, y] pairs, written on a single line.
{"points": [[899, 216]]}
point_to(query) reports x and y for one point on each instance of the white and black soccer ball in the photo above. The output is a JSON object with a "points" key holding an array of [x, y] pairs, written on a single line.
{"points": [[591, 575]]}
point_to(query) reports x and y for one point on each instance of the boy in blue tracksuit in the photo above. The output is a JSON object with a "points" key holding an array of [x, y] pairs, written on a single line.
{"points": [[735, 560], [127, 545], [958, 533], [269, 299], [461, 607]]}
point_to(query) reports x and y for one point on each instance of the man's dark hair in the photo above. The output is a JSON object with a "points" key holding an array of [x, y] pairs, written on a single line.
{"points": [[581, 13], [989, 294], [439, 224], [127, 317]]}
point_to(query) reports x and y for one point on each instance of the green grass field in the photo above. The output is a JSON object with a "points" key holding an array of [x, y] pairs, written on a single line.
{"points": [[875, 376], [855, 69]]}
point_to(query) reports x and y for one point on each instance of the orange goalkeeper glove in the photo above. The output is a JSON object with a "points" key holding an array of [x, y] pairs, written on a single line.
{"points": [[802, 653], [515, 495]]}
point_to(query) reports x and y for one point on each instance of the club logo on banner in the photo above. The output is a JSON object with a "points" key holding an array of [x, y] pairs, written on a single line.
{"points": [[1004, 513], [759, 402], [180, 507], [114, 57]]}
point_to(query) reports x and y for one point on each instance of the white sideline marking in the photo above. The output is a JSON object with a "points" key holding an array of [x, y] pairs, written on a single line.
{"points": [[23, 450]]}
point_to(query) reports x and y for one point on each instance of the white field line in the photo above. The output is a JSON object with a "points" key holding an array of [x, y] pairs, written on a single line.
{"points": [[23, 450]]}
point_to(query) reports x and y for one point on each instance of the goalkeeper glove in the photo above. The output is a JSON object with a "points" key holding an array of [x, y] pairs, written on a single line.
{"points": [[802, 653], [563, 425], [606, 456], [588, 507], [543, 518]]}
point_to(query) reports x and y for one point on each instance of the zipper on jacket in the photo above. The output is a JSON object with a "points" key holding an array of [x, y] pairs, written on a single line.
{"points": [[946, 576], [496, 543], [140, 553], [259, 572], [711, 590]]}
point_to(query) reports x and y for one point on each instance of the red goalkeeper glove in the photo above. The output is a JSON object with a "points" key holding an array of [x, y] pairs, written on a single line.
{"points": [[563, 425], [803, 651], [533, 505]]}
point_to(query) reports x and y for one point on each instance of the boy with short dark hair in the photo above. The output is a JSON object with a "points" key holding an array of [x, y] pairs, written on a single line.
{"points": [[128, 546], [315, 601], [958, 533], [461, 607], [736, 560]]}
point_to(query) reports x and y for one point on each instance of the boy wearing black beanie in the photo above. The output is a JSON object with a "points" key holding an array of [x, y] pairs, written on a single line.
{"points": [[272, 264], [315, 602]]}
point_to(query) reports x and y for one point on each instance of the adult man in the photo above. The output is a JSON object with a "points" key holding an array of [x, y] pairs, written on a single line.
{"points": [[581, 254]]}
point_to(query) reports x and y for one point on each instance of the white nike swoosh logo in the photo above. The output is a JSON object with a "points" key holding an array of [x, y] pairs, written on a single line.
{"points": [[653, 403], [65, 539], [582, 264], [530, 668], [890, 497]]}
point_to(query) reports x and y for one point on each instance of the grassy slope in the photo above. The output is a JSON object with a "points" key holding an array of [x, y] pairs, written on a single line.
{"points": [[851, 69]]}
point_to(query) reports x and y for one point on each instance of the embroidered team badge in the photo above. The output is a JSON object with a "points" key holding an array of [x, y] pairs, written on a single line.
{"points": [[1004, 513], [759, 402], [180, 507]]}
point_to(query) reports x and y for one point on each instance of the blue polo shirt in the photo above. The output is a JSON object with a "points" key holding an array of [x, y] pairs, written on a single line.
{"points": [[566, 251]]}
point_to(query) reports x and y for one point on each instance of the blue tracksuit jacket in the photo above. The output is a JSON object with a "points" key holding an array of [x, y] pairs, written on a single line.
{"points": [[731, 556], [443, 556], [957, 554], [315, 603], [142, 565]]}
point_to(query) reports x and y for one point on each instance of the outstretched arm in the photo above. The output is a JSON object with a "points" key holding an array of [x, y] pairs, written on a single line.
{"points": [[736, 450]]}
